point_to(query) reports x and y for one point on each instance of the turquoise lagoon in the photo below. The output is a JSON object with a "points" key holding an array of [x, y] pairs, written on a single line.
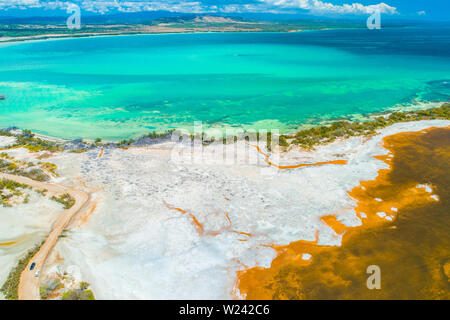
{"points": [[123, 86]]}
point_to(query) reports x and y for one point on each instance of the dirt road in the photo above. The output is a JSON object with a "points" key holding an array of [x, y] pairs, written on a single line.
{"points": [[29, 283]]}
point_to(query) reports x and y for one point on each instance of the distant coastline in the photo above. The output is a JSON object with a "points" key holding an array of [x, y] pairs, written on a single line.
{"points": [[46, 37], [205, 24]]}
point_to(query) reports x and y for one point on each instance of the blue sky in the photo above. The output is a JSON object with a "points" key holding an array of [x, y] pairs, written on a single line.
{"points": [[423, 9]]}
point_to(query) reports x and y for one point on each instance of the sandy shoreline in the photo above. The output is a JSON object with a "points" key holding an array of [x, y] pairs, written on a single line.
{"points": [[414, 106], [40, 38]]}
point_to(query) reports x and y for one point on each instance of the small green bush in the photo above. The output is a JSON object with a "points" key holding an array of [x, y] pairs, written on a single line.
{"points": [[66, 200], [79, 294]]}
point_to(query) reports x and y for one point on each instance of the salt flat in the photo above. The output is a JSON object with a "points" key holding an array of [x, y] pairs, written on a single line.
{"points": [[165, 230]]}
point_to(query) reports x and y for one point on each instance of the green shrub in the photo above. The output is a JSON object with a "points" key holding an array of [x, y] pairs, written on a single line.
{"points": [[79, 294], [14, 188], [342, 129], [66, 200], [10, 288], [47, 289]]}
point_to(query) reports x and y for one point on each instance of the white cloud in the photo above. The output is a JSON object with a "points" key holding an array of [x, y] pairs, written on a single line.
{"points": [[318, 6], [109, 5], [273, 6], [137, 6], [19, 4], [421, 13]]}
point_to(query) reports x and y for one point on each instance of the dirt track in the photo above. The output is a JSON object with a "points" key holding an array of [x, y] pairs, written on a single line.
{"points": [[29, 284]]}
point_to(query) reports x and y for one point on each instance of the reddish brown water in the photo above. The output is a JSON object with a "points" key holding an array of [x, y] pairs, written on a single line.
{"points": [[413, 251], [295, 166]]}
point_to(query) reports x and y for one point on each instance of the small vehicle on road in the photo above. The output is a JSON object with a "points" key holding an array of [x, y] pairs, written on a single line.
{"points": [[32, 266], [37, 273]]}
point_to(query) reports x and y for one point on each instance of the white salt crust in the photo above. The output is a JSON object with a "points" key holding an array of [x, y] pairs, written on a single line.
{"points": [[134, 246]]}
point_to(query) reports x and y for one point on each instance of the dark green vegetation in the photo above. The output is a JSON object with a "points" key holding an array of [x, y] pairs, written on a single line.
{"points": [[28, 140], [13, 189], [11, 286], [343, 129], [309, 138], [147, 138], [47, 289], [83, 293], [66, 200], [28, 170]]}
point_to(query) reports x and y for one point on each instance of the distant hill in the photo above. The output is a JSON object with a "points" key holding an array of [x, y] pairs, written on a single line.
{"points": [[155, 17], [123, 18]]}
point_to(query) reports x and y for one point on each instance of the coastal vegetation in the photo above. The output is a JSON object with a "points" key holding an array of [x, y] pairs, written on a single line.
{"points": [[9, 189], [42, 192], [145, 139], [10, 288], [66, 200], [28, 140], [343, 129], [81, 293], [28, 170], [307, 138], [49, 167], [323, 134], [47, 289]]}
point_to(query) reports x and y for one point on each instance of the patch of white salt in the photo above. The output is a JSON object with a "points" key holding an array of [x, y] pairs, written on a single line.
{"points": [[435, 197], [426, 187], [381, 214], [306, 256]]}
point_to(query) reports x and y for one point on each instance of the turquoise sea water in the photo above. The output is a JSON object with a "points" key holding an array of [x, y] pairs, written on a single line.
{"points": [[124, 86]]}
